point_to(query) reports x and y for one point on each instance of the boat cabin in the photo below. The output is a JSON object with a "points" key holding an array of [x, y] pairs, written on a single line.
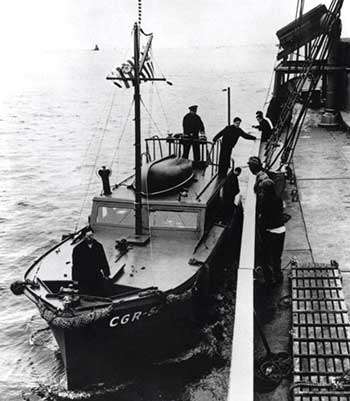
{"points": [[178, 195], [179, 225]]}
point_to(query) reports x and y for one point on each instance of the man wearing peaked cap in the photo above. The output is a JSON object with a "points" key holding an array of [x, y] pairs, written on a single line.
{"points": [[192, 126], [256, 168]]}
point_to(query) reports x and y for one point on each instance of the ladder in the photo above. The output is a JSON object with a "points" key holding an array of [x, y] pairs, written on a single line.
{"points": [[312, 69], [321, 334]]}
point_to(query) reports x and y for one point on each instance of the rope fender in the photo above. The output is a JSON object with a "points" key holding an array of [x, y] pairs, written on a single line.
{"points": [[70, 322]]}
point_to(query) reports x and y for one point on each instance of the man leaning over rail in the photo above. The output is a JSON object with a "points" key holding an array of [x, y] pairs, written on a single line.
{"points": [[230, 135]]}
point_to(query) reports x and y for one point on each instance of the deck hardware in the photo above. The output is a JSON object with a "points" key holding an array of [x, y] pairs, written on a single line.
{"points": [[294, 195]]}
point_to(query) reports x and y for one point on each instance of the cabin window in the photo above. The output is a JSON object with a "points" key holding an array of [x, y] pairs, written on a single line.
{"points": [[169, 219], [116, 216]]}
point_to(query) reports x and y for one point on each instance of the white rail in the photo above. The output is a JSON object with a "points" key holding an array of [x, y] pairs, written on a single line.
{"points": [[242, 365]]}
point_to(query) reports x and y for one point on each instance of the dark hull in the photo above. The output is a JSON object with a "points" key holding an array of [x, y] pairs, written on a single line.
{"points": [[104, 342], [101, 353]]}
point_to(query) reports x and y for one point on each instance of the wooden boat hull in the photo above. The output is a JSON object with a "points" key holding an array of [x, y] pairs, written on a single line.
{"points": [[105, 344], [106, 350]]}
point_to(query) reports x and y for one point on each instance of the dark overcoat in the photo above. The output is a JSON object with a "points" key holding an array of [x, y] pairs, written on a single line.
{"points": [[88, 262], [230, 135], [192, 125]]}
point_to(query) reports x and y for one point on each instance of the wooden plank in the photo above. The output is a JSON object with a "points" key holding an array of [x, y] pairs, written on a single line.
{"points": [[241, 373], [241, 382]]}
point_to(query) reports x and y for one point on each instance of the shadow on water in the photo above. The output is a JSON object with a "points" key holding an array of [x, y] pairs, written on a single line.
{"points": [[199, 373]]}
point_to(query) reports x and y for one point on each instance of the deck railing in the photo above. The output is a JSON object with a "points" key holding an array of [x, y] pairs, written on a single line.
{"points": [[157, 147]]}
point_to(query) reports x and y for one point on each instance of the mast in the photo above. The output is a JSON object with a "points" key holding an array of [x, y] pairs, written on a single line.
{"points": [[131, 72], [137, 97]]}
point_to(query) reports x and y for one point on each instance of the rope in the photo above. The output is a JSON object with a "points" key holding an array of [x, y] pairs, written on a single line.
{"points": [[163, 110], [270, 85], [96, 159], [320, 49], [304, 224], [341, 383], [121, 136], [93, 135], [151, 107], [111, 102], [270, 370], [155, 124]]}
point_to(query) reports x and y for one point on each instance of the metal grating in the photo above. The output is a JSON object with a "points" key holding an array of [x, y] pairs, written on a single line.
{"points": [[321, 334]]}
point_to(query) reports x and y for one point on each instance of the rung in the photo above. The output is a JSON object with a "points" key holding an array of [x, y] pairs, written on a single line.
{"points": [[317, 288], [322, 324], [315, 268], [318, 299], [327, 311], [322, 339], [316, 357], [313, 394], [317, 373], [322, 356]]}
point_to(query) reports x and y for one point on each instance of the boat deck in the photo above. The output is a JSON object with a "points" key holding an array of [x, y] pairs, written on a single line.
{"points": [[198, 191], [318, 232]]}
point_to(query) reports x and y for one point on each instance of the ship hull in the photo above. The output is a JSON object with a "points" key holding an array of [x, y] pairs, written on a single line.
{"points": [[108, 350], [153, 328]]}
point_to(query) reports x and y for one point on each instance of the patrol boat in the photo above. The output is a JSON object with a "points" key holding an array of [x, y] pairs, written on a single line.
{"points": [[165, 230]]}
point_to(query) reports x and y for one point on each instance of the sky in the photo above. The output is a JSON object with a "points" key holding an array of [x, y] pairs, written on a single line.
{"points": [[65, 24]]}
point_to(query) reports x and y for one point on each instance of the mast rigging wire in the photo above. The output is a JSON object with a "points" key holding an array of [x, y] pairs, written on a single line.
{"points": [[155, 124], [163, 110], [96, 159], [121, 135], [319, 49], [111, 102]]}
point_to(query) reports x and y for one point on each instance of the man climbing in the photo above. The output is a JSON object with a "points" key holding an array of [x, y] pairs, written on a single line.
{"points": [[230, 135], [263, 126]]}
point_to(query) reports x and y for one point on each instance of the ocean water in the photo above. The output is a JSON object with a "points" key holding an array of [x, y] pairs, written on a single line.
{"points": [[60, 121]]}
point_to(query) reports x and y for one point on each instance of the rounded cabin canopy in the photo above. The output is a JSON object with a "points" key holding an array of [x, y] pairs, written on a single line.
{"points": [[165, 175]]}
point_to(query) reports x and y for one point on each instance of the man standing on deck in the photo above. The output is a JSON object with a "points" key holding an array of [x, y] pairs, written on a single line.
{"points": [[256, 168], [90, 266], [263, 126], [192, 126], [230, 135]]}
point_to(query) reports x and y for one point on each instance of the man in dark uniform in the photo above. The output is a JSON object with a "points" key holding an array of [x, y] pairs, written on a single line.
{"points": [[263, 126], [192, 126], [90, 266], [256, 168], [230, 136]]}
